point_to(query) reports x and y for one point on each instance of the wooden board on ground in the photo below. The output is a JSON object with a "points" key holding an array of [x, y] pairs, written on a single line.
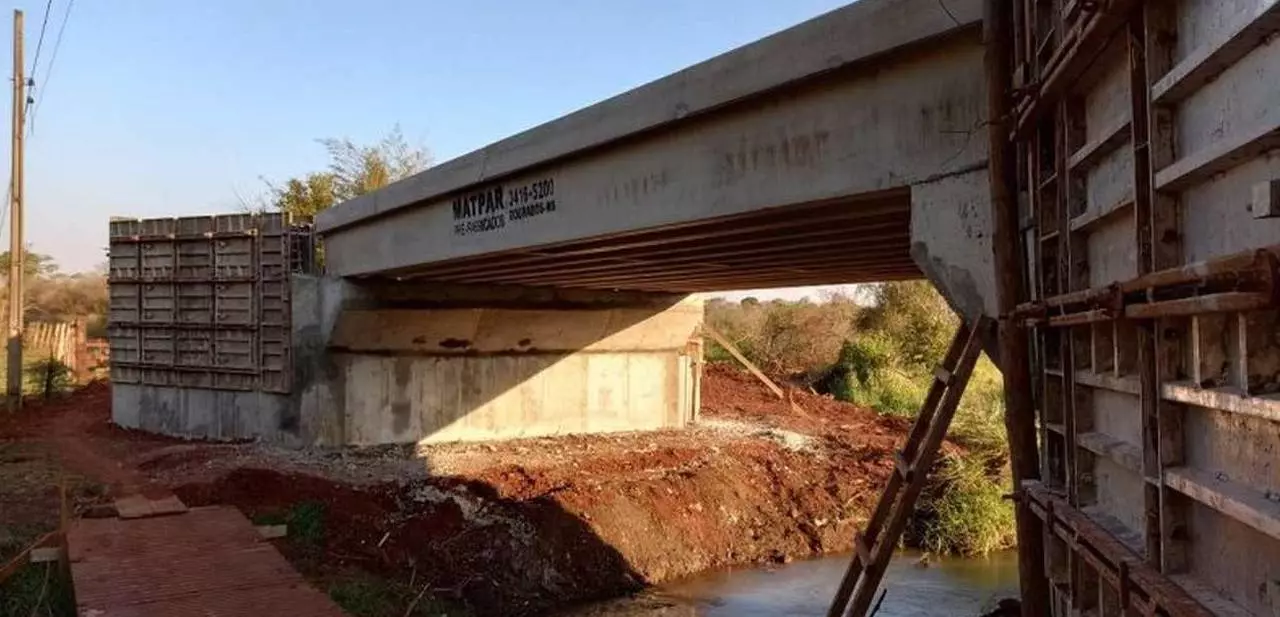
{"points": [[207, 561]]}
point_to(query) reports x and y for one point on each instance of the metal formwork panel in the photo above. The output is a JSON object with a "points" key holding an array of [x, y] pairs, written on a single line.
{"points": [[157, 376], [157, 346], [158, 260], [124, 261], [124, 303], [121, 373], [126, 343], [233, 257], [273, 335], [195, 304], [195, 260], [194, 348], [1145, 134], [234, 349], [203, 301], [158, 306], [233, 381], [234, 304], [195, 379]]}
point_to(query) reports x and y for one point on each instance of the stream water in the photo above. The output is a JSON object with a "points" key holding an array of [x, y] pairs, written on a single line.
{"points": [[947, 587]]}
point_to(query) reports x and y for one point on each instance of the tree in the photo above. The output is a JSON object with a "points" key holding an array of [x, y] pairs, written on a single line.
{"points": [[54, 296], [305, 197], [354, 170], [34, 265]]}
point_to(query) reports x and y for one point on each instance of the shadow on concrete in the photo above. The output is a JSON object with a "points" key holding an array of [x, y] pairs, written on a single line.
{"points": [[402, 362]]}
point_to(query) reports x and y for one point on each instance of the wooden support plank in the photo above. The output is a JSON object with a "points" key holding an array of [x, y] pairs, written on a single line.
{"points": [[1245, 265], [271, 532], [1230, 498], [875, 525], [737, 355], [898, 516], [1251, 29], [46, 554], [19, 561]]}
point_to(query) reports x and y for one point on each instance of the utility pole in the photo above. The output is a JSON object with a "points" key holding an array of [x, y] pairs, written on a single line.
{"points": [[16, 252]]}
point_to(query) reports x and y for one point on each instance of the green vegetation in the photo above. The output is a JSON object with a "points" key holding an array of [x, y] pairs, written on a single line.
{"points": [[47, 377], [306, 521], [52, 295], [353, 171], [42, 590], [882, 356], [367, 596]]}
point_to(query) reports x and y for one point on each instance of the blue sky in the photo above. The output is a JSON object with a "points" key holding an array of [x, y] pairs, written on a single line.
{"points": [[172, 107]]}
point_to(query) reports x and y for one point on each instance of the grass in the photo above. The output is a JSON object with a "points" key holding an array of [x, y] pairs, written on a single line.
{"points": [[306, 521], [42, 590], [968, 515], [368, 596], [358, 593]]}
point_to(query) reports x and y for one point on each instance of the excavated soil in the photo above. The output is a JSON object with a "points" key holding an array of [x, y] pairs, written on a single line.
{"points": [[525, 526]]}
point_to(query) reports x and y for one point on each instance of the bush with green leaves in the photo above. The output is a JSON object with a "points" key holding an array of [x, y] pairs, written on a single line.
{"points": [[48, 376], [882, 357]]}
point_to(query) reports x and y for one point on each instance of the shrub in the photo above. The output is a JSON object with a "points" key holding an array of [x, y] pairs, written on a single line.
{"points": [[784, 337], [48, 376], [967, 513]]}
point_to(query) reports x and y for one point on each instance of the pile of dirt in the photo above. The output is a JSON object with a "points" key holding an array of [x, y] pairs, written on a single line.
{"points": [[519, 527]]}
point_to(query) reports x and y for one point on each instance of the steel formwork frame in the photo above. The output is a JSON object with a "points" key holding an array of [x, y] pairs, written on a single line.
{"points": [[1150, 336]]}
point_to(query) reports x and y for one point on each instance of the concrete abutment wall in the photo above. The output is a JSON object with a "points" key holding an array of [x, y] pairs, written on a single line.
{"points": [[407, 363]]}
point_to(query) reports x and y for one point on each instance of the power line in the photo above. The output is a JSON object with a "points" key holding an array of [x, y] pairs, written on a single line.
{"points": [[44, 23], [53, 60]]}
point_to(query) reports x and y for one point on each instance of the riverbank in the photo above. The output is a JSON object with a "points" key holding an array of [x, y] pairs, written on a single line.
{"points": [[524, 526]]}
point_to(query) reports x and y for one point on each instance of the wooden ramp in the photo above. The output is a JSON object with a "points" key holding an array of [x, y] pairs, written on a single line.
{"points": [[159, 558]]}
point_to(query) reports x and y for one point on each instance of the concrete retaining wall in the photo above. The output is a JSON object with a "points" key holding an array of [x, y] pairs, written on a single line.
{"points": [[406, 363]]}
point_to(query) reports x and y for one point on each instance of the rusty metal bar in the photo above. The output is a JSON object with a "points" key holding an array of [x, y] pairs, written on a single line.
{"points": [[1201, 305], [1256, 267]]}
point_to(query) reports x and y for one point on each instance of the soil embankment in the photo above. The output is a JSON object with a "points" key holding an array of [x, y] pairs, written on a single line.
{"points": [[520, 527]]}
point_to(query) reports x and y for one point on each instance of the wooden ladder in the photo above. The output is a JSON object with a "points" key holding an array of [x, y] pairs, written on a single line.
{"points": [[911, 465]]}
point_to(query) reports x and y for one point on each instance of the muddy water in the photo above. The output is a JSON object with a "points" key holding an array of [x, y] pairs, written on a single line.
{"points": [[950, 587]]}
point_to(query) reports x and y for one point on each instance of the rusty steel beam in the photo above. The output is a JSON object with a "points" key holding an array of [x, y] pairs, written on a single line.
{"points": [[661, 272], [894, 205], [728, 281], [776, 245], [823, 256], [1257, 268]]}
